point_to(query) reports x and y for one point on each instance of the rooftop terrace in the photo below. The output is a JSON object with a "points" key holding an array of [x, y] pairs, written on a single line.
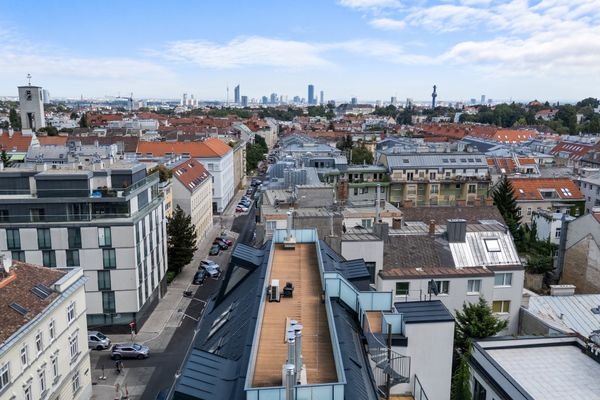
{"points": [[300, 267]]}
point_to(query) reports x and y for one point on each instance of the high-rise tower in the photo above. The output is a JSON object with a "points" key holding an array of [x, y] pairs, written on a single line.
{"points": [[433, 96], [311, 95], [236, 94], [31, 103]]}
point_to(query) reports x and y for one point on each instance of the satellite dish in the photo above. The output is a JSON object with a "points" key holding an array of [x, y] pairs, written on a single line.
{"points": [[433, 288]]}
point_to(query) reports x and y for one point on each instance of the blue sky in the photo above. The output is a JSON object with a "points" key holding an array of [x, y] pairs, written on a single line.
{"points": [[371, 49]]}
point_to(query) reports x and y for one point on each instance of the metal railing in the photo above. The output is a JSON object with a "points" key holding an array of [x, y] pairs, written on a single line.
{"points": [[391, 368], [418, 391]]}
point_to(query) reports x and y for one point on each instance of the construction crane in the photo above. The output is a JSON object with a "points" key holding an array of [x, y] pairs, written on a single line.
{"points": [[129, 101]]}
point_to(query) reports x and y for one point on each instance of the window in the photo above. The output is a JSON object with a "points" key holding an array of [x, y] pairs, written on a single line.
{"points": [[435, 189], [366, 223], [473, 285], [37, 214], [472, 189], [52, 330], [110, 258], [503, 279], [557, 233], [479, 392], [27, 392], [104, 237], [24, 356], [501, 306], [54, 362], [443, 287], [409, 176], [271, 226], [42, 376], [3, 215], [108, 302], [39, 342], [4, 375], [371, 266], [528, 210], [72, 258], [18, 255], [44, 241], [492, 245], [49, 258], [71, 312], [402, 288], [13, 239], [74, 345], [103, 280], [75, 382], [74, 238], [432, 176]]}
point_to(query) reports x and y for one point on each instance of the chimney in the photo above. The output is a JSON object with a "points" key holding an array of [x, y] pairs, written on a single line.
{"points": [[456, 229], [432, 227], [291, 338], [289, 380], [290, 221], [378, 204], [298, 356]]}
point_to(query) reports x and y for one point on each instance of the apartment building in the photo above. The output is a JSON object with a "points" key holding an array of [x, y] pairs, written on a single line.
{"points": [[552, 194], [216, 156], [43, 352], [192, 191], [424, 179], [359, 184], [590, 188], [108, 219], [455, 262]]}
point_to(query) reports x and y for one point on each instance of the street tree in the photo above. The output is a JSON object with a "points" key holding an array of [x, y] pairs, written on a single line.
{"points": [[181, 240], [83, 122], [505, 199], [13, 118]]}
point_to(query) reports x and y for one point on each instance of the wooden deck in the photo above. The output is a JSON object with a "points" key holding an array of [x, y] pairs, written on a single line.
{"points": [[374, 318], [299, 266]]}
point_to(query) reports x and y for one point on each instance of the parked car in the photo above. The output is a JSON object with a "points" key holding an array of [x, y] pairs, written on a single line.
{"points": [[240, 209], [97, 340], [130, 350], [213, 271], [228, 242], [208, 263], [214, 250], [222, 245], [199, 277], [245, 203]]}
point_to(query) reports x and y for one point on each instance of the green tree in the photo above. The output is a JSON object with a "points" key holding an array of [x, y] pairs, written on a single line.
{"points": [[181, 240], [260, 141], [4, 158], [361, 155], [164, 173], [13, 118], [475, 321], [255, 152], [345, 144], [74, 115], [589, 102], [83, 122], [505, 199], [567, 114], [50, 130]]}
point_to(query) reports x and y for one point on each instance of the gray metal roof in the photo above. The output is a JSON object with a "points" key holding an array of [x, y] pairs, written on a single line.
{"points": [[352, 270], [423, 311], [575, 311], [436, 160], [245, 255], [359, 385]]}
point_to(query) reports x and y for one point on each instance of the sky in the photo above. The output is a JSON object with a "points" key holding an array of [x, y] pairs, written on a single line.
{"points": [[369, 49]]}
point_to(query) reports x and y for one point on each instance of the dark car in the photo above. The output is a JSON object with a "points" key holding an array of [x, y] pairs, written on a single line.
{"points": [[199, 277], [214, 250], [129, 350], [222, 245]]}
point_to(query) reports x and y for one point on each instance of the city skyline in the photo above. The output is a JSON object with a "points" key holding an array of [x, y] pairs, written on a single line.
{"points": [[505, 49]]}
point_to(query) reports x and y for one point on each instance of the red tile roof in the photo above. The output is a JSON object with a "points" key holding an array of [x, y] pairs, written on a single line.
{"points": [[209, 148], [53, 140], [16, 142], [529, 188], [17, 289], [191, 174]]}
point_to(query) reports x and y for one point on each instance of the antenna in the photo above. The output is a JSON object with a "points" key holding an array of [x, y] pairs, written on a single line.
{"points": [[28, 79]]}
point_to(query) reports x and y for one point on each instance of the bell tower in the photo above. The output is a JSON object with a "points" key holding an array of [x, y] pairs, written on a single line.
{"points": [[31, 103]]}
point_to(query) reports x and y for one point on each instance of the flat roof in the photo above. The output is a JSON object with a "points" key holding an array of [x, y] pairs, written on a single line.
{"points": [[300, 267], [547, 369], [423, 311]]}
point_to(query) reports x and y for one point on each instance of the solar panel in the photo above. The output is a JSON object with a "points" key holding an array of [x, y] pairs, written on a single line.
{"points": [[18, 308]]}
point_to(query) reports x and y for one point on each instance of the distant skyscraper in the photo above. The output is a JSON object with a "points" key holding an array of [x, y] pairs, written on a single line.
{"points": [[297, 99], [354, 101], [473, 102], [244, 101], [393, 101], [274, 98], [482, 99], [321, 98], [31, 103], [236, 94], [265, 100], [184, 99], [433, 96], [409, 102], [311, 95]]}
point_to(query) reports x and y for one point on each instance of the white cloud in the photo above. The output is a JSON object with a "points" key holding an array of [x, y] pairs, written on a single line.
{"points": [[370, 4], [244, 51], [388, 24]]}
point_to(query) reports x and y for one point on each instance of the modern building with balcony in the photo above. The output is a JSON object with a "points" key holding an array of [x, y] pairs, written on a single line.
{"points": [[288, 323], [437, 179], [43, 339], [106, 218]]}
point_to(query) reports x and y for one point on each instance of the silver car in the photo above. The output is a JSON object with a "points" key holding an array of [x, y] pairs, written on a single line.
{"points": [[130, 350], [98, 341]]}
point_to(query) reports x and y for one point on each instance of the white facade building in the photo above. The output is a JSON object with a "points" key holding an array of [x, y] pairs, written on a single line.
{"points": [[31, 104], [44, 352]]}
